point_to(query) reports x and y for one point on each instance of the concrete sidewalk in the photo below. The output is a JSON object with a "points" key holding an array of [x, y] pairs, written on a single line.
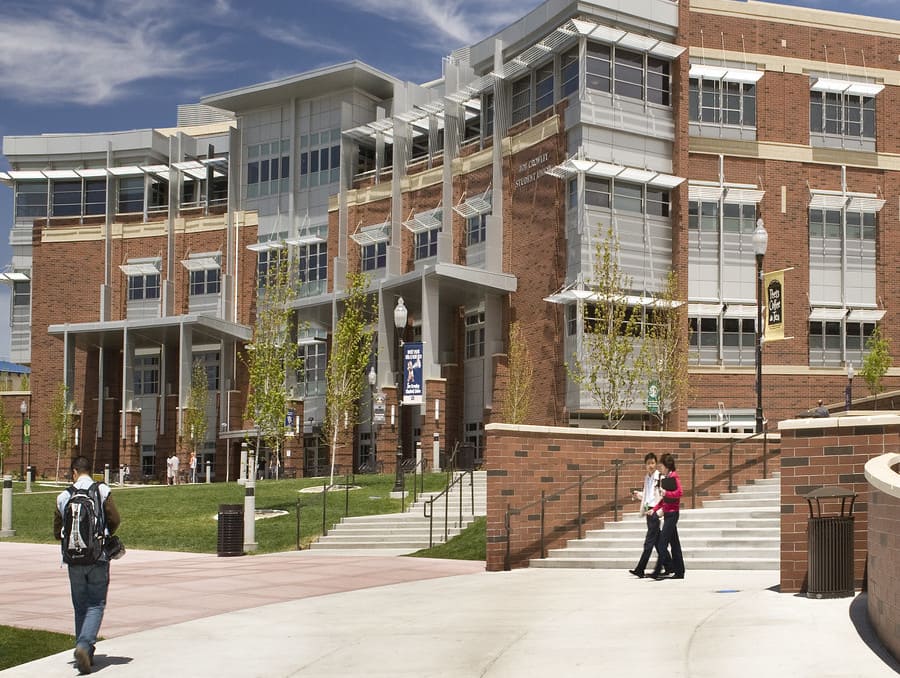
{"points": [[448, 619]]}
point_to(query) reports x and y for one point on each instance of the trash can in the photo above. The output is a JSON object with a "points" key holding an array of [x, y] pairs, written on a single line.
{"points": [[465, 458], [830, 548], [231, 530]]}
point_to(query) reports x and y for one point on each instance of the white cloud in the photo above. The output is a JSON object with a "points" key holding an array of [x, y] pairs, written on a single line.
{"points": [[90, 53]]}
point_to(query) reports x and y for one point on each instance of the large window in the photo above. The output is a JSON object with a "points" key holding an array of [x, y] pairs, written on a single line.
{"points": [[267, 263], [143, 287], [313, 268], [488, 114], [268, 168], [476, 229], [626, 197], [320, 158], [131, 195], [840, 114], [521, 99], [626, 73], [475, 335], [543, 87], [722, 102], [842, 256], [146, 375], [374, 256], [569, 73], [312, 375], [426, 243], [31, 199], [205, 282], [95, 197], [66, 201]]}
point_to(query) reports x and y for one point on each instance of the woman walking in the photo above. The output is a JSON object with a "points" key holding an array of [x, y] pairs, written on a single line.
{"points": [[670, 503]]}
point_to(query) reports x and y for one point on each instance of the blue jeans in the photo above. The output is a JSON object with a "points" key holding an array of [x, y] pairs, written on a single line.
{"points": [[89, 584]]}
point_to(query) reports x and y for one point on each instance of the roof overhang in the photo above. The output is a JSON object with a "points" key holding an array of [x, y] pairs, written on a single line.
{"points": [[349, 75], [151, 331]]}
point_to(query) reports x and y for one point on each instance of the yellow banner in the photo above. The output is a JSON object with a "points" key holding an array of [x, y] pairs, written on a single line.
{"points": [[773, 296]]}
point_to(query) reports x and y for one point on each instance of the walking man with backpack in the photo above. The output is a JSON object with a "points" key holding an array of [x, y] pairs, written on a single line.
{"points": [[85, 516]]}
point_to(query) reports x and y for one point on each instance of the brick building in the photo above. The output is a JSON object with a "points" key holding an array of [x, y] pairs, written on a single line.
{"points": [[478, 199]]}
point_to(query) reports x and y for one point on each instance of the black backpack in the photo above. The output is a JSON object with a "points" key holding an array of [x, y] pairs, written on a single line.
{"points": [[84, 526]]}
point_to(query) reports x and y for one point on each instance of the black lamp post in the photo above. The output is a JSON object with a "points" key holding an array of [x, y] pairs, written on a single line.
{"points": [[373, 378], [760, 241], [400, 315], [23, 408], [848, 395]]}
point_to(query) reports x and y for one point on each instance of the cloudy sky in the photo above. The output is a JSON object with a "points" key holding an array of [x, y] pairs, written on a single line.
{"points": [[102, 65]]}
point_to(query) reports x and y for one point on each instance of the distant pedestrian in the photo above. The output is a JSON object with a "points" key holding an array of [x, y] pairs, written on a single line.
{"points": [[193, 465], [172, 469], [82, 530], [821, 410], [671, 506], [649, 497]]}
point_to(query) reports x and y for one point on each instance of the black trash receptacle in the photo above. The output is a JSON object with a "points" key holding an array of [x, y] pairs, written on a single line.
{"points": [[465, 458], [830, 546], [231, 530]]}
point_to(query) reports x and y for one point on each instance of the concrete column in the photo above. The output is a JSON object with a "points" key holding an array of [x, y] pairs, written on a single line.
{"points": [[208, 472], [250, 503], [242, 469], [6, 519]]}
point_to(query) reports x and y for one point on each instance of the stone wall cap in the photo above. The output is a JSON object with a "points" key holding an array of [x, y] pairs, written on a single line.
{"points": [[843, 420], [881, 474], [561, 431]]}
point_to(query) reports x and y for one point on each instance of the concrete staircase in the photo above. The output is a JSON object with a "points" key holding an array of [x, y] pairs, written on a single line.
{"points": [[409, 531], [738, 531]]}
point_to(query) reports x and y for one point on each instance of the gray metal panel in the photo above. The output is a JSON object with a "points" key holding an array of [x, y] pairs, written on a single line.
{"points": [[703, 266], [859, 286], [825, 271], [738, 268]]}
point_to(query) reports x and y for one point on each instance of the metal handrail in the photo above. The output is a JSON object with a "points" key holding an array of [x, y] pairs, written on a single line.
{"points": [[730, 447], [428, 508]]}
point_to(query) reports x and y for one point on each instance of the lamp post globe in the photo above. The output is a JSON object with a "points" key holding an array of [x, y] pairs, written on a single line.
{"points": [[23, 409], [372, 376], [848, 398], [760, 243], [401, 314]]}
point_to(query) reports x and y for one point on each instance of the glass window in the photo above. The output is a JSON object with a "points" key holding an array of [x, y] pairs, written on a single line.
{"points": [[543, 87], [95, 196], [521, 99], [596, 192], [374, 256], [146, 375], [31, 199], [313, 263], [205, 282], [131, 195], [629, 74], [571, 319], [476, 229], [598, 69], [658, 81], [426, 243], [488, 108], [569, 73], [475, 335], [572, 193], [22, 293], [312, 374], [658, 202], [143, 287], [842, 114], [66, 198], [628, 197]]}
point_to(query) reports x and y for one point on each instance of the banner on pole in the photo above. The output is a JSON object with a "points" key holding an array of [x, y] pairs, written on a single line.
{"points": [[773, 284], [413, 386]]}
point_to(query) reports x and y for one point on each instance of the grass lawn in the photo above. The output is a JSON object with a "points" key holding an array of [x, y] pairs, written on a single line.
{"points": [[182, 518], [471, 544], [25, 645]]}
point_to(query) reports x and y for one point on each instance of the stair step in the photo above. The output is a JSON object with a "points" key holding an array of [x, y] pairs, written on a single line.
{"points": [[624, 565]]}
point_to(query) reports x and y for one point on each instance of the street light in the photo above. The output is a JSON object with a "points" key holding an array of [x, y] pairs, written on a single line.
{"points": [[848, 394], [760, 241], [23, 408], [373, 377], [400, 315]]}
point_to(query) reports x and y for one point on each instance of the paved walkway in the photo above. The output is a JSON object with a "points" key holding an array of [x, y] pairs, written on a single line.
{"points": [[290, 614]]}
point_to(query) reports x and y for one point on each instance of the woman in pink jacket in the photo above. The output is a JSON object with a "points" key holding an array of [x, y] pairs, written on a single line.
{"points": [[670, 503]]}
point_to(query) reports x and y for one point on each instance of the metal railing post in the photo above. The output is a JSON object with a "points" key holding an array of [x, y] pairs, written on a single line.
{"points": [[765, 454], [298, 523], [731, 466], [616, 463], [346, 496], [542, 524], [446, 511], [324, 498], [472, 489], [580, 488], [459, 524], [693, 479], [508, 526]]}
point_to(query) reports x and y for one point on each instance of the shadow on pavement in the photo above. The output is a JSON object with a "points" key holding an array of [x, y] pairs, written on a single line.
{"points": [[859, 615]]}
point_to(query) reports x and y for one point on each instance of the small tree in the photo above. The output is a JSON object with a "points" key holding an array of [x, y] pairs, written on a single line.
{"points": [[521, 372], [351, 347], [665, 350], [59, 423], [270, 356], [5, 438], [610, 362], [195, 422], [877, 362]]}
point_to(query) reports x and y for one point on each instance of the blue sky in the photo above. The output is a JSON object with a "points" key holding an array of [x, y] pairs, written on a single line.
{"points": [[103, 65]]}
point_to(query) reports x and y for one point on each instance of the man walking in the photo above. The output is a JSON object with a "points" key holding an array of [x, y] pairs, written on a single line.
{"points": [[85, 514], [649, 497]]}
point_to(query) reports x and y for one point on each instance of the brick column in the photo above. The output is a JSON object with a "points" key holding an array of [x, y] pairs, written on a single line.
{"points": [[436, 390], [130, 453]]}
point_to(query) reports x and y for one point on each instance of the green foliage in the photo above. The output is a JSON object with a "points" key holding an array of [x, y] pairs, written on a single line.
{"points": [[59, 423], [877, 361], [351, 347], [666, 350], [26, 645], [272, 355], [521, 372], [183, 517], [5, 438], [195, 422], [609, 364], [470, 544]]}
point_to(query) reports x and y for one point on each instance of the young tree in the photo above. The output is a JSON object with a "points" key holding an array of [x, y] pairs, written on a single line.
{"points": [[5, 438], [59, 423], [609, 365], [877, 361], [195, 422], [351, 347], [270, 356], [666, 350], [521, 372]]}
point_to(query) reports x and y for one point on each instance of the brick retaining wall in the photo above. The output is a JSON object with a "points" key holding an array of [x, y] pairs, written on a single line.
{"points": [[884, 550], [523, 461]]}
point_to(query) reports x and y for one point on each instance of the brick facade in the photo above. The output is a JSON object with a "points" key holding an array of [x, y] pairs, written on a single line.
{"points": [[524, 461], [884, 554]]}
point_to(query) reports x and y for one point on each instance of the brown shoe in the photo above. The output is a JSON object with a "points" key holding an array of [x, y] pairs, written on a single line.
{"points": [[82, 660]]}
